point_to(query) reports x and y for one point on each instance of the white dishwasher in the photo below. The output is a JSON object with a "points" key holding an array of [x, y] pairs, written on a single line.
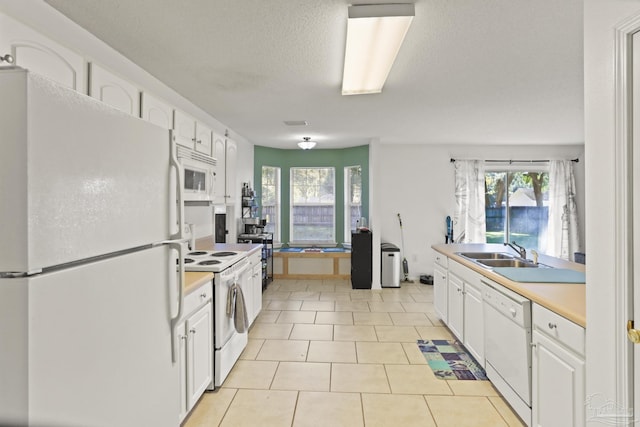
{"points": [[507, 324]]}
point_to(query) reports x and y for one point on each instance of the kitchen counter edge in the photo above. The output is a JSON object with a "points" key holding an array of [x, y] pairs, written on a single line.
{"points": [[565, 299], [194, 279]]}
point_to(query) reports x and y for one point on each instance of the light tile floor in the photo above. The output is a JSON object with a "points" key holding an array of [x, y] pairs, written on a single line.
{"points": [[322, 354]]}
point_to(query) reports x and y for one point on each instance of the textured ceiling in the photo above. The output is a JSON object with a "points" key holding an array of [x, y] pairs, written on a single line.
{"points": [[469, 71]]}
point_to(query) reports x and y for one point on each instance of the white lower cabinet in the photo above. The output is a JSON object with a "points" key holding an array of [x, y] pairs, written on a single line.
{"points": [[455, 305], [195, 355], [558, 372], [440, 288], [466, 318], [255, 281], [473, 321], [256, 275]]}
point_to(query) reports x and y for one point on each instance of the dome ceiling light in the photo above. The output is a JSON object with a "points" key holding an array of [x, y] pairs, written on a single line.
{"points": [[307, 144]]}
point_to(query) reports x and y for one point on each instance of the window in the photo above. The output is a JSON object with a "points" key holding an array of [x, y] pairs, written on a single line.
{"points": [[271, 200], [352, 199], [517, 207], [313, 205]]}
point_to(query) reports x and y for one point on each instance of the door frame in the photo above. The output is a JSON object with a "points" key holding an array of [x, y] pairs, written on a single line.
{"points": [[623, 218]]}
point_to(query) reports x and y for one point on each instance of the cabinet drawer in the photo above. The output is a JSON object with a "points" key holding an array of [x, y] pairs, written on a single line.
{"points": [[197, 298], [255, 258], [442, 260], [559, 328]]}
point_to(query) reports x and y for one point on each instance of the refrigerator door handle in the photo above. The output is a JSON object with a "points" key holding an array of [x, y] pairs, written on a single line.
{"points": [[179, 246], [175, 163]]}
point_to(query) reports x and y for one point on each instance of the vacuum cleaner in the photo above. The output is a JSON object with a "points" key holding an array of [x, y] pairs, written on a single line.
{"points": [[405, 263]]}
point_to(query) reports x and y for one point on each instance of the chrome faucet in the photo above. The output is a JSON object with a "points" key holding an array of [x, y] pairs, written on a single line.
{"points": [[516, 247]]}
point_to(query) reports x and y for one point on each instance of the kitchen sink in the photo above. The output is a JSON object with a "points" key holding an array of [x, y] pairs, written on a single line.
{"points": [[519, 263], [486, 255]]}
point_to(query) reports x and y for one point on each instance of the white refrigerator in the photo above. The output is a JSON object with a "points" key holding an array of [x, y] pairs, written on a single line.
{"points": [[90, 261]]}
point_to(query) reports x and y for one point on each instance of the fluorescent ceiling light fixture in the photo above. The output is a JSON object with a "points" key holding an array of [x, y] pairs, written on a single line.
{"points": [[374, 36], [306, 144]]}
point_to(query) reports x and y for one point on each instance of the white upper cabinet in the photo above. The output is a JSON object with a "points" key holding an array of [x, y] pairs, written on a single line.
{"points": [[191, 133], [38, 54], [218, 147], [203, 139], [231, 161], [114, 90], [156, 111], [184, 128]]}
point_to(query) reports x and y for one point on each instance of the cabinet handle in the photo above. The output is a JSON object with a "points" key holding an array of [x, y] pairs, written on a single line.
{"points": [[7, 58], [203, 295], [533, 345], [513, 312], [194, 140], [183, 337], [198, 141], [552, 325], [193, 331]]}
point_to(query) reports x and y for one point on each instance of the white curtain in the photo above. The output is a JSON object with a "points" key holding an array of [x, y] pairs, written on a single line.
{"points": [[469, 222], [562, 232]]}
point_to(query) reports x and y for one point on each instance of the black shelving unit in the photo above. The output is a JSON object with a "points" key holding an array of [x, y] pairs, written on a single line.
{"points": [[361, 260], [266, 239]]}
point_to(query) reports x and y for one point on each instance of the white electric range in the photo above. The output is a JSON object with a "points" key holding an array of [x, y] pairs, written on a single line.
{"points": [[213, 261], [229, 267]]}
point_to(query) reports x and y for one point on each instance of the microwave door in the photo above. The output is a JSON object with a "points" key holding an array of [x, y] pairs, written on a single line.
{"points": [[196, 184]]}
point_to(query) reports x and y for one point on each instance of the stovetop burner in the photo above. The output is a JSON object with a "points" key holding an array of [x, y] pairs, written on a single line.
{"points": [[216, 254], [211, 260]]}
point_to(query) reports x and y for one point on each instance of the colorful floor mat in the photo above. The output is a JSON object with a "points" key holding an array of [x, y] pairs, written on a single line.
{"points": [[449, 360]]}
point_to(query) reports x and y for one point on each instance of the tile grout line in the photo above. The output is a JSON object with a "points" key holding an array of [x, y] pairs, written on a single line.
{"points": [[498, 411], [435, 422], [226, 411]]}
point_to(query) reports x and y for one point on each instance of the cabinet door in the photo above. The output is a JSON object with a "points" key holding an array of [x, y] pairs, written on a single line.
{"points": [[199, 353], [440, 292], [558, 385], [231, 159], [257, 289], [39, 54], [155, 111], [218, 148], [473, 322], [203, 139], [184, 128], [181, 336], [113, 90], [456, 305]]}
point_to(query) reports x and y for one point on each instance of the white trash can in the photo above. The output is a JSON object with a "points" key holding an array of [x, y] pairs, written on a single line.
{"points": [[389, 265]]}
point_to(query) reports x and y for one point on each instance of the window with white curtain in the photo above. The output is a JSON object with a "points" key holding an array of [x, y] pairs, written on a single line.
{"points": [[517, 205], [270, 200], [352, 199], [313, 198]]}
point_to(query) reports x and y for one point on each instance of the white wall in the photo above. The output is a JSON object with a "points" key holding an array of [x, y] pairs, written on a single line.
{"points": [[601, 17], [418, 182]]}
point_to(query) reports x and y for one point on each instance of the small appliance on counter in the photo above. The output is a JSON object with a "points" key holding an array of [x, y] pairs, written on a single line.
{"points": [[254, 225]]}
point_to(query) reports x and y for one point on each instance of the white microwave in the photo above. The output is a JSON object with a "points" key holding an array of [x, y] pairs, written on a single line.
{"points": [[198, 173]]}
